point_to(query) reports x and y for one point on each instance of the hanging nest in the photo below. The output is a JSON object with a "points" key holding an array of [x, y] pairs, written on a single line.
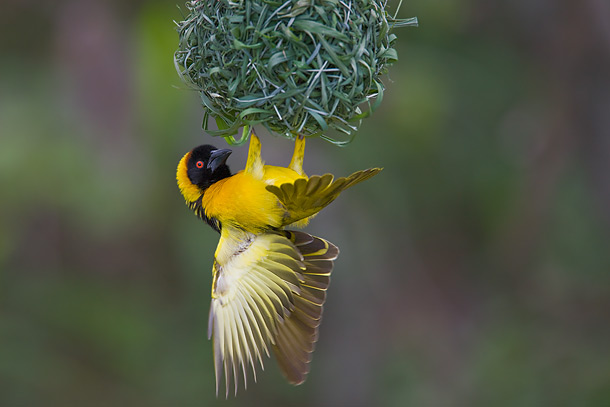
{"points": [[297, 67]]}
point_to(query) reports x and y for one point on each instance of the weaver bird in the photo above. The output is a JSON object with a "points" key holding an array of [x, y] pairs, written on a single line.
{"points": [[269, 284]]}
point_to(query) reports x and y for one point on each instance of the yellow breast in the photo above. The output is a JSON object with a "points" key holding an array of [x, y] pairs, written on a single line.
{"points": [[243, 202]]}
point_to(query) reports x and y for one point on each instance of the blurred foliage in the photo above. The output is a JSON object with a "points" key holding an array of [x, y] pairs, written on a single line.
{"points": [[473, 270]]}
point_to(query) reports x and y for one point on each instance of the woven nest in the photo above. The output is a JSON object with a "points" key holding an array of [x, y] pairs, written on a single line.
{"points": [[297, 67]]}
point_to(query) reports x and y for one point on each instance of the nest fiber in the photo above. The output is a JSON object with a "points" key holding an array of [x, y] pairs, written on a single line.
{"points": [[298, 67]]}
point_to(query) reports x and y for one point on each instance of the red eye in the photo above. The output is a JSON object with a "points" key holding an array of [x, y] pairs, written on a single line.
{"points": [[199, 164]]}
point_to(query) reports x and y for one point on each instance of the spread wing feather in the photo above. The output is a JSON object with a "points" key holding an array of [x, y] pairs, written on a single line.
{"points": [[306, 197], [252, 294], [267, 293], [297, 336]]}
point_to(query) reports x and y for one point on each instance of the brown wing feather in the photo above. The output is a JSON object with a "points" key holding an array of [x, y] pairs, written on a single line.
{"points": [[297, 335]]}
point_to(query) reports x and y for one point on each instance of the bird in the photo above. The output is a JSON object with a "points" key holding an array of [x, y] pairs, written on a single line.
{"points": [[269, 283]]}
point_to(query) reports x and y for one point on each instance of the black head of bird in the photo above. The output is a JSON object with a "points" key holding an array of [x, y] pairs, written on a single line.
{"points": [[207, 165]]}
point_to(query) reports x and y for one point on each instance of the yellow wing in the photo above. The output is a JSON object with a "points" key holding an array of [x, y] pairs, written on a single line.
{"points": [[268, 291], [306, 197]]}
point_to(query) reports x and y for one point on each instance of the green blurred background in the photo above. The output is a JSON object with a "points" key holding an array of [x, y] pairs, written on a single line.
{"points": [[474, 270]]}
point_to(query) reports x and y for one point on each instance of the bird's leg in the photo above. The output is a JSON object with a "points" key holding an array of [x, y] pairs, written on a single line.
{"points": [[296, 163], [254, 164]]}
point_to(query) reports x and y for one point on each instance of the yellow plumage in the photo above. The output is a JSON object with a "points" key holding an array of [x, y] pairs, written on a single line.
{"points": [[263, 197], [269, 283], [267, 293]]}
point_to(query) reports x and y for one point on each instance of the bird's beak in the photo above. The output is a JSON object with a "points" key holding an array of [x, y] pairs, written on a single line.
{"points": [[218, 158]]}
